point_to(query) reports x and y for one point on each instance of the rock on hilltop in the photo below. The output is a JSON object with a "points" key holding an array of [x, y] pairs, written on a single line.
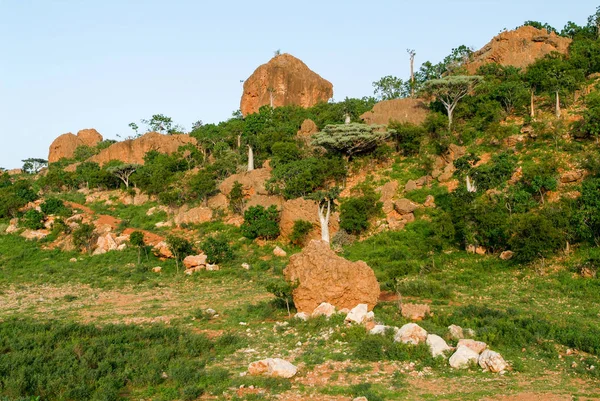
{"points": [[292, 82], [406, 110], [64, 146], [519, 48]]}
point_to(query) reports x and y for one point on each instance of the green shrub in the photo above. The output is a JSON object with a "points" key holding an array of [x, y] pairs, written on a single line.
{"points": [[300, 231], [180, 248], [356, 212], [53, 206], [282, 290], [236, 198], [217, 249], [84, 237], [408, 137], [33, 220], [534, 236], [261, 223]]}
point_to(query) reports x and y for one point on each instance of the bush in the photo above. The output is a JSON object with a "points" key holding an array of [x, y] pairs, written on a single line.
{"points": [[236, 198], [33, 220], [534, 236], [300, 231], [84, 237], [54, 206], [356, 212], [408, 137], [217, 249], [261, 223], [180, 248]]}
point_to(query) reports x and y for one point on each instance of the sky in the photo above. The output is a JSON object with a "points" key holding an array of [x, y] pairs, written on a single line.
{"points": [[66, 65]]}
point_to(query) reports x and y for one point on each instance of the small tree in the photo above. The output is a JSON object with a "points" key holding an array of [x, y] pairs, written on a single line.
{"points": [[162, 124], [180, 248], [236, 198], [326, 205], [351, 139], [412, 55], [217, 249], [261, 223], [283, 292], [34, 165], [123, 172], [136, 239], [450, 90], [300, 231], [389, 87], [84, 237], [203, 185]]}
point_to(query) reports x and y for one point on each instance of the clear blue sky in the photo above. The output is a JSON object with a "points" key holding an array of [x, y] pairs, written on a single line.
{"points": [[66, 65]]}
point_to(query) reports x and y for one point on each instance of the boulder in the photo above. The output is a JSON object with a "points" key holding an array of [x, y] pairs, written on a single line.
{"points": [[381, 329], [571, 176], [35, 234], [456, 332], [429, 201], [303, 209], [507, 255], [519, 48], [492, 361], [411, 185], [388, 191], [358, 314], [161, 250], [284, 81], [195, 215], [323, 276], [324, 309], [253, 182], [106, 243], [415, 311], [134, 150], [65, 145], [405, 206], [407, 110], [476, 346], [157, 269], [463, 358], [273, 367], [302, 316], [411, 333], [437, 345], [279, 252], [194, 261], [307, 130]]}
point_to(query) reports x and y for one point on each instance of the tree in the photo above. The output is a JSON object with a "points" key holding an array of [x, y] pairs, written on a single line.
{"points": [[350, 139], [180, 248], [203, 185], [412, 55], [217, 249], [84, 237], [236, 198], [162, 124], [261, 223], [34, 165], [136, 239], [325, 206], [389, 87], [123, 172], [450, 90], [250, 158]]}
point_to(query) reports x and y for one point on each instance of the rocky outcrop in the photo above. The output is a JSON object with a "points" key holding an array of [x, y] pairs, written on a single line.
{"points": [[323, 276], [134, 150], [307, 130], [303, 209], [519, 48], [287, 81], [65, 145], [195, 215], [253, 182], [406, 110]]}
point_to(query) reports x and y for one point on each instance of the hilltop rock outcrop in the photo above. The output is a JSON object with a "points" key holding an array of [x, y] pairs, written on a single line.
{"points": [[65, 145], [519, 48], [288, 80], [323, 276], [407, 110], [134, 150]]}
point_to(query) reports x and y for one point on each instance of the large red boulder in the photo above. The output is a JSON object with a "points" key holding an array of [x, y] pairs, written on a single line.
{"points": [[65, 145]]}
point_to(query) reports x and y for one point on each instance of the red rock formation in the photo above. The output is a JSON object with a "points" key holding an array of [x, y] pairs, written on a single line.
{"points": [[402, 110], [519, 48], [134, 150], [323, 276], [293, 83], [302, 209], [64, 146]]}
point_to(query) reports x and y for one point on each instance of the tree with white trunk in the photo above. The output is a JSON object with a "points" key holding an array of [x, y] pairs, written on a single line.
{"points": [[250, 158], [450, 90], [325, 206]]}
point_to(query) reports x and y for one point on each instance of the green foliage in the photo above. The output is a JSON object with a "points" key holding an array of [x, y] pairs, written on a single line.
{"points": [[261, 223], [90, 175], [136, 239], [356, 212], [84, 237], [179, 247], [33, 220], [539, 178], [236, 198], [282, 290], [390, 87], [408, 137], [451, 89], [13, 196], [587, 214], [535, 236], [158, 172], [34, 165], [203, 185], [300, 231], [217, 249], [54, 206], [351, 139], [284, 152]]}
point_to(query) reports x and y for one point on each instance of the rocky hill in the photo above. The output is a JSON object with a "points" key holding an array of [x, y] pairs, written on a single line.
{"points": [[65, 145], [287, 81]]}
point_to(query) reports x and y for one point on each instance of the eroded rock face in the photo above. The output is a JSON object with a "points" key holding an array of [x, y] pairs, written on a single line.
{"points": [[519, 48], [323, 276], [253, 182], [406, 110], [134, 150], [291, 83], [65, 145], [303, 209]]}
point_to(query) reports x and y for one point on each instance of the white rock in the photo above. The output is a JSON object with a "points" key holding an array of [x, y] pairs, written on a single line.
{"points": [[463, 358], [411, 333], [73, 260], [360, 399], [279, 252], [245, 266], [157, 269], [437, 345], [492, 361], [456, 332], [302, 316], [212, 268], [274, 367], [325, 309], [381, 329], [358, 314], [477, 346], [370, 317]]}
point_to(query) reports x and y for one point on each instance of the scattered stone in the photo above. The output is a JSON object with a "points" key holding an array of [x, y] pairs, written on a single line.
{"points": [[429, 201], [437, 345], [193, 270], [463, 358], [492, 361], [476, 346], [324, 309], [507, 255], [358, 314], [194, 261], [302, 316], [360, 399], [323, 276], [415, 311], [212, 268], [571, 176], [381, 329], [370, 316], [456, 332], [274, 367], [157, 269], [245, 266], [411, 185], [411, 333], [73, 260], [405, 206], [279, 252]]}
